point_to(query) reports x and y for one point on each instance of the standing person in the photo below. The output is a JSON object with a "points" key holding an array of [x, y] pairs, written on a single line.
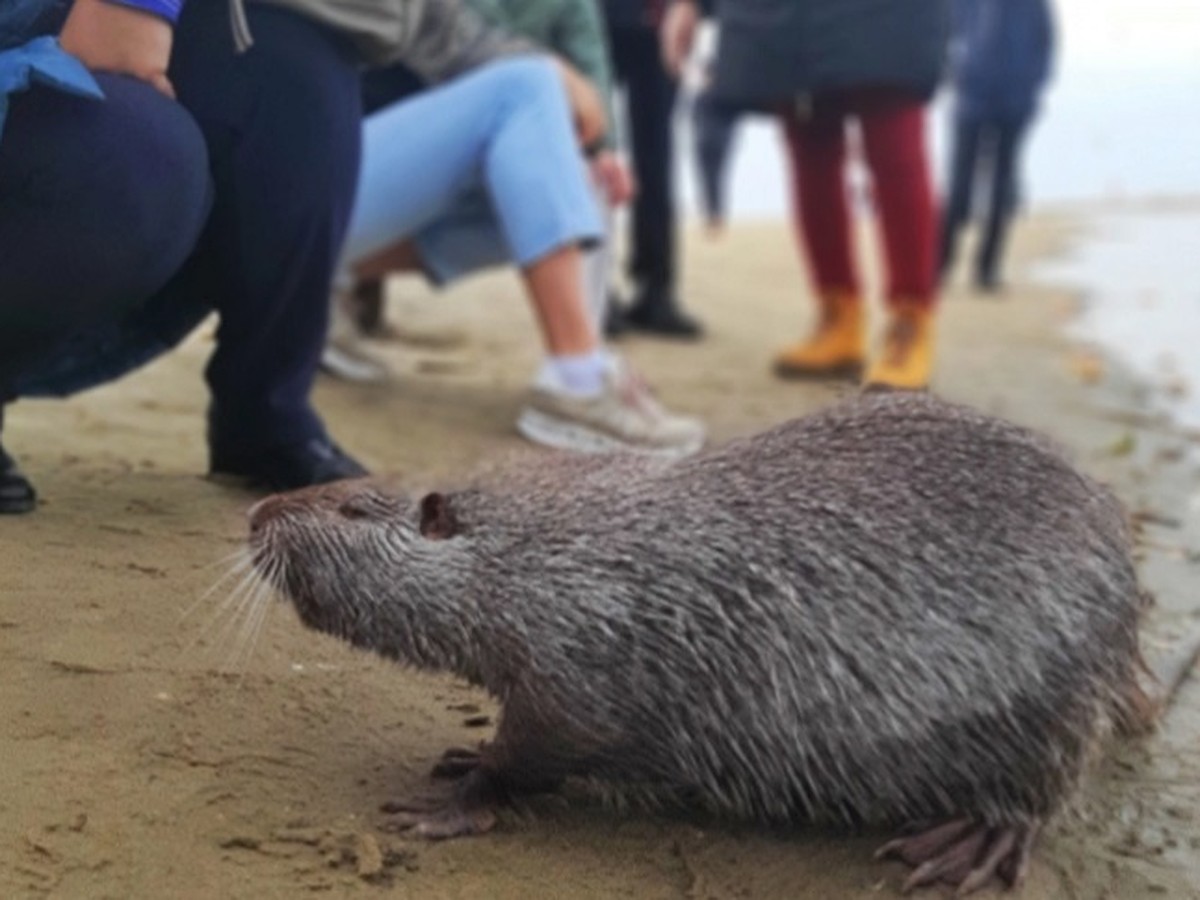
{"points": [[822, 64], [1003, 54], [649, 92]]}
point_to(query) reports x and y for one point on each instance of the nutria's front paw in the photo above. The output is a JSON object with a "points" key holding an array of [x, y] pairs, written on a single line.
{"points": [[964, 854], [457, 762]]}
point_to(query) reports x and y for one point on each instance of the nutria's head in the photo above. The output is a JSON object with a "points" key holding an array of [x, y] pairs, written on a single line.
{"points": [[365, 562]]}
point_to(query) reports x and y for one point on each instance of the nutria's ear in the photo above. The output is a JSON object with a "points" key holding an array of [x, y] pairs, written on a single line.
{"points": [[437, 518]]}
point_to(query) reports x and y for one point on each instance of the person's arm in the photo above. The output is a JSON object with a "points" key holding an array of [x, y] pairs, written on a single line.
{"points": [[677, 34], [579, 38], [129, 38], [450, 38]]}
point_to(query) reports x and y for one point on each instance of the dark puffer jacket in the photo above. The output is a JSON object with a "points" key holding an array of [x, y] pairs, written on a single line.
{"points": [[772, 51], [1005, 50]]}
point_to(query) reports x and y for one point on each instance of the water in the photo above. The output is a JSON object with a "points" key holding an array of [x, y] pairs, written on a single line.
{"points": [[1142, 286]]}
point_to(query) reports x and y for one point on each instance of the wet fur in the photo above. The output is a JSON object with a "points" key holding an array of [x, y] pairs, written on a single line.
{"points": [[894, 610]]}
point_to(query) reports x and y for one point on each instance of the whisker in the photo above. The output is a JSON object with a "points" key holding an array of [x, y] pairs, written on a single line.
{"points": [[227, 611], [236, 622], [238, 563], [227, 558], [262, 612]]}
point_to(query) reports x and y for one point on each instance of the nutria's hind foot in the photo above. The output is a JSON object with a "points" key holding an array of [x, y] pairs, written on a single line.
{"points": [[465, 811], [964, 854], [451, 821], [457, 762]]}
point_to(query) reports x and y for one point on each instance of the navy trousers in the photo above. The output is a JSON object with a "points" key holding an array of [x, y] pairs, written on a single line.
{"points": [[982, 145], [281, 128], [100, 204]]}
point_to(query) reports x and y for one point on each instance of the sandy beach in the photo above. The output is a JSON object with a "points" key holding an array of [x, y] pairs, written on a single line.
{"points": [[149, 751]]}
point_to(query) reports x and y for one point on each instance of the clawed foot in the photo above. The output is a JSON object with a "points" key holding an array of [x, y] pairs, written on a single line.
{"points": [[436, 819], [964, 855]]}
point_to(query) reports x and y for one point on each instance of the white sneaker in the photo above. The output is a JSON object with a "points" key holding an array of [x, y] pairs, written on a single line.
{"points": [[345, 356], [623, 416], [352, 364]]}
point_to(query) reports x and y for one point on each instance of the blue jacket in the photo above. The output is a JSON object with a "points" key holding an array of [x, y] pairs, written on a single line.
{"points": [[1003, 51], [29, 53]]}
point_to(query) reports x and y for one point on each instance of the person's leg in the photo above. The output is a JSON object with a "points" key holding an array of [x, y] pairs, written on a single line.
{"points": [[893, 129], [650, 101], [1001, 202], [481, 172], [956, 211], [821, 211], [471, 239], [283, 125], [583, 398], [486, 170], [100, 202], [816, 148], [504, 130], [597, 268]]}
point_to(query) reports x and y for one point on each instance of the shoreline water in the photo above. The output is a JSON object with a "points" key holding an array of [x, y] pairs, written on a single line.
{"points": [[1135, 271]]}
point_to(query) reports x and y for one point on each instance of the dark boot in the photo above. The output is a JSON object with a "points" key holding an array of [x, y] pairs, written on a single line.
{"points": [[614, 315], [367, 304], [282, 466], [656, 311]]}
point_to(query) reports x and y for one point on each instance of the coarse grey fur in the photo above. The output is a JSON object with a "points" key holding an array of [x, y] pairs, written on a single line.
{"points": [[896, 609]]}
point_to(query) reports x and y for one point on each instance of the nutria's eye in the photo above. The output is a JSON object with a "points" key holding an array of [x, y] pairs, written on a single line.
{"points": [[355, 508]]}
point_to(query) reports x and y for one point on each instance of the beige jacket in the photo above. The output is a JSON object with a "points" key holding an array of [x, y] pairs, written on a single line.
{"points": [[438, 39]]}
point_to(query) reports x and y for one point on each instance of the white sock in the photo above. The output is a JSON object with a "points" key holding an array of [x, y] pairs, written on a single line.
{"points": [[581, 374]]}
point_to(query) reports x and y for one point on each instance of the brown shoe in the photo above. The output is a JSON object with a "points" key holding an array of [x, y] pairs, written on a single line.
{"points": [[905, 361], [836, 350]]}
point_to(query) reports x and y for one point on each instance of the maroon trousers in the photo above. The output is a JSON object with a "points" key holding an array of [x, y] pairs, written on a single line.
{"points": [[892, 126]]}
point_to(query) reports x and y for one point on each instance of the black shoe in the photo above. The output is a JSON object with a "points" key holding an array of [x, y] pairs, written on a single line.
{"points": [[615, 324], [287, 467], [367, 308], [660, 315], [989, 284], [16, 493]]}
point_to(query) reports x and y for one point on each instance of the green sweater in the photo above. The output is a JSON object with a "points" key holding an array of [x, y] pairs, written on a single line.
{"points": [[573, 29]]}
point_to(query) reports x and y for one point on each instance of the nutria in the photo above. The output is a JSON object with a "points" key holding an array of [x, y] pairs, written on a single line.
{"points": [[894, 612]]}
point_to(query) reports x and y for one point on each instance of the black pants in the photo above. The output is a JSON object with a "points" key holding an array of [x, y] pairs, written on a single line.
{"points": [[982, 145], [281, 126], [650, 99]]}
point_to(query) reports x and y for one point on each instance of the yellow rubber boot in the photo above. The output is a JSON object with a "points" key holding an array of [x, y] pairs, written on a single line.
{"points": [[905, 361], [836, 350]]}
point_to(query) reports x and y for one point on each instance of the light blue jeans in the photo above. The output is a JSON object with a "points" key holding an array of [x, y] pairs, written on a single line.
{"points": [[482, 171]]}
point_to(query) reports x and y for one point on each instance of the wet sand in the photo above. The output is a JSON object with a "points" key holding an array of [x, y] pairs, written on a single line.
{"points": [[151, 753]]}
